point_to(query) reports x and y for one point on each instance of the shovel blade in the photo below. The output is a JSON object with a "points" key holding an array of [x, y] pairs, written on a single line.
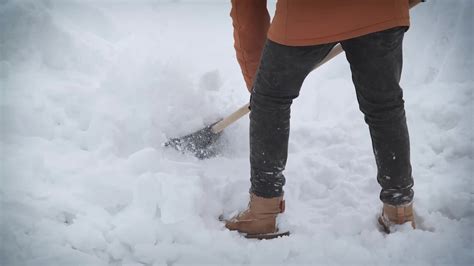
{"points": [[203, 143]]}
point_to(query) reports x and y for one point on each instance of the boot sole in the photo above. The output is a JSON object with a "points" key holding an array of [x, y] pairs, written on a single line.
{"points": [[267, 236], [259, 236]]}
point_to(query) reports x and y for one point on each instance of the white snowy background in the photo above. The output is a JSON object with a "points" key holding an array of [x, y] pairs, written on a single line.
{"points": [[91, 89]]}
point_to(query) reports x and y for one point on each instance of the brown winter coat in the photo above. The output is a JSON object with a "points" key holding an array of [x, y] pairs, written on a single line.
{"points": [[308, 22]]}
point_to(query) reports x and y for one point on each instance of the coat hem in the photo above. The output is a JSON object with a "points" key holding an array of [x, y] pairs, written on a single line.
{"points": [[284, 40]]}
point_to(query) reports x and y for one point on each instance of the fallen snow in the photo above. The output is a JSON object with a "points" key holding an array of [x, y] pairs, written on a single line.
{"points": [[90, 91]]}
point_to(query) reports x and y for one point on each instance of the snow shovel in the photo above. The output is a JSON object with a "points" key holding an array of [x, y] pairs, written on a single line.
{"points": [[204, 143]]}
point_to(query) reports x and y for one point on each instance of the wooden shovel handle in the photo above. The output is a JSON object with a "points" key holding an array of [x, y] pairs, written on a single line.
{"points": [[221, 125], [336, 50]]}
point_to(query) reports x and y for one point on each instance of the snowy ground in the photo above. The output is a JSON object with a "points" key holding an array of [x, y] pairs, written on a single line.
{"points": [[90, 90]]}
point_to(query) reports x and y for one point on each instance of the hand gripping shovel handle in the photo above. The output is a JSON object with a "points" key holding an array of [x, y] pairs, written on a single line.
{"points": [[221, 125], [336, 50]]}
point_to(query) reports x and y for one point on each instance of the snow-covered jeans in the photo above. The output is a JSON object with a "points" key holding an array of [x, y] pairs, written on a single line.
{"points": [[376, 64]]}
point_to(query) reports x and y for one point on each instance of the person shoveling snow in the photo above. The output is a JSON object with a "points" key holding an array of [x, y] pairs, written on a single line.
{"points": [[276, 57]]}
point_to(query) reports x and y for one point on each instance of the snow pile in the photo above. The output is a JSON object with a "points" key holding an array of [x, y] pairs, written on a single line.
{"points": [[90, 91]]}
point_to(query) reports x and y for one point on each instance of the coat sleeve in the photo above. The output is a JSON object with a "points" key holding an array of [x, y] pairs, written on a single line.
{"points": [[251, 21]]}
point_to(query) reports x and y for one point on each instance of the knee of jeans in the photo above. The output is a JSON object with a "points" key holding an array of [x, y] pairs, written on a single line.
{"points": [[383, 114], [270, 102]]}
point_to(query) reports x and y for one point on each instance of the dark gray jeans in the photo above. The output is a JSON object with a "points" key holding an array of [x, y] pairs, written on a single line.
{"points": [[376, 65]]}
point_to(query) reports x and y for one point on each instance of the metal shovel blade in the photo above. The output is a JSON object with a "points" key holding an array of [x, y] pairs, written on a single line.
{"points": [[202, 143]]}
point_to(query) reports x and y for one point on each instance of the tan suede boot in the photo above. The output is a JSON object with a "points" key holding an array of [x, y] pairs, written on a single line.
{"points": [[259, 219], [392, 215]]}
